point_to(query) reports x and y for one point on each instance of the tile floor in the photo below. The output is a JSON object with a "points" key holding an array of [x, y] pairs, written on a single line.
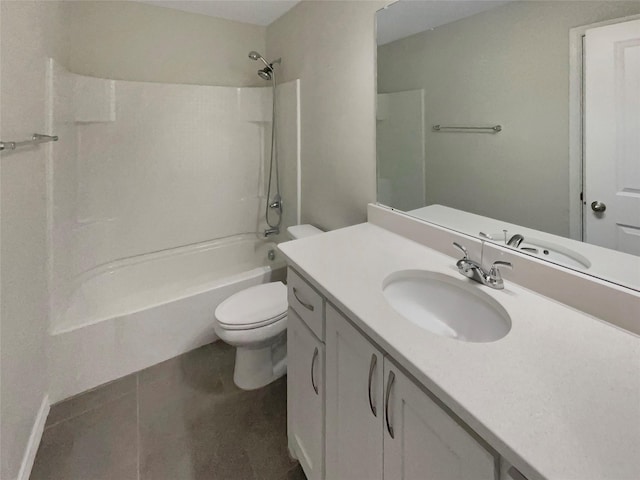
{"points": [[183, 419]]}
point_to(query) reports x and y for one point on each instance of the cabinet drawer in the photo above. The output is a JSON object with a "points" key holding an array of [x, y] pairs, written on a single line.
{"points": [[305, 397], [306, 302]]}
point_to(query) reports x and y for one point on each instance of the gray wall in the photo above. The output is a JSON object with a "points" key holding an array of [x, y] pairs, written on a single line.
{"points": [[510, 66], [120, 40], [330, 46], [30, 32], [134, 41]]}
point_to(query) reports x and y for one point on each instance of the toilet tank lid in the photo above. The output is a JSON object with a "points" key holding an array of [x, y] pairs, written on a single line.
{"points": [[300, 231]]}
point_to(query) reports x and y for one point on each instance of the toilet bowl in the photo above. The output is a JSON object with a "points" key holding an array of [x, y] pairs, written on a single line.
{"points": [[254, 321]]}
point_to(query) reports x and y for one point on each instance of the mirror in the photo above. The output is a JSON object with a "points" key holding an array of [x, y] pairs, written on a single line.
{"points": [[517, 119]]}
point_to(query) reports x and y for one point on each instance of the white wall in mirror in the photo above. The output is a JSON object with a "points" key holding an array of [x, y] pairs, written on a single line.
{"points": [[507, 65]]}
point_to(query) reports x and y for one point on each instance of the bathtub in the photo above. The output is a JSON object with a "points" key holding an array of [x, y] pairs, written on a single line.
{"points": [[134, 313]]}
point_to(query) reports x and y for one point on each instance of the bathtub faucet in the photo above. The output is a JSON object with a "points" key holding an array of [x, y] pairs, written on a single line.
{"points": [[271, 231]]}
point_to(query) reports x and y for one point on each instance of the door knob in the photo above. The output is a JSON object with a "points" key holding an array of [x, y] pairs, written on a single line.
{"points": [[598, 207]]}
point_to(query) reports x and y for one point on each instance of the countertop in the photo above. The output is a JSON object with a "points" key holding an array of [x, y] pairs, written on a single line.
{"points": [[558, 396]]}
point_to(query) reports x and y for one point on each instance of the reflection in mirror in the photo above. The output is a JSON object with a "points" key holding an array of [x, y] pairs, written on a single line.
{"points": [[521, 116]]}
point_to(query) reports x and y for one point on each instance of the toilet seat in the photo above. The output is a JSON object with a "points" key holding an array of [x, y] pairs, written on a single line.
{"points": [[264, 323], [255, 307]]}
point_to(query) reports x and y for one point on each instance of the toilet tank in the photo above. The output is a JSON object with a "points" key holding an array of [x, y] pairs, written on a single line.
{"points": [[301, 231]]}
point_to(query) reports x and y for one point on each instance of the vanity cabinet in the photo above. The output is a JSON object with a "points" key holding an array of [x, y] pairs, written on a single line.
{"points": [[354, 415], [354, 374], [422, 442], [381, 425], [305, 396], [305, 376]]}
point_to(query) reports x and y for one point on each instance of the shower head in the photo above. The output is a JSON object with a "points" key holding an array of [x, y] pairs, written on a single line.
{"points": [[265, 73]]}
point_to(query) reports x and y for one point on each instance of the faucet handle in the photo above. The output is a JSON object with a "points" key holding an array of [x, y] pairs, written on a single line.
{"points": [[494, 279], [494, 272], [462, 249]]}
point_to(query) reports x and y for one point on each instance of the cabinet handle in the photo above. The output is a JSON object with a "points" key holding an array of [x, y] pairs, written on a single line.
{"points": [[308, 306], [313, 362], [372, 367], [390, 381]]}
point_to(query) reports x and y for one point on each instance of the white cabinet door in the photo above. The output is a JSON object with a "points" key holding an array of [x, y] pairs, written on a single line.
{"points": [[422, 442], [305, 397], [354, 403]]}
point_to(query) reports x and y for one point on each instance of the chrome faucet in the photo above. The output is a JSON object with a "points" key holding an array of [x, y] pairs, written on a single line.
{"points": [[473, 270], [271, 231], [515, 240]]}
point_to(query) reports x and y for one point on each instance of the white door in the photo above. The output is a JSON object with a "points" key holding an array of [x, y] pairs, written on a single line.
{"points": [[354, 403], [422, 442], [305, 394], [612, 136]]}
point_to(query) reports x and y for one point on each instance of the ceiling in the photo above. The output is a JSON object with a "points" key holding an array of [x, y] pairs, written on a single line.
{"points": [[257, 12], [410, 17]]}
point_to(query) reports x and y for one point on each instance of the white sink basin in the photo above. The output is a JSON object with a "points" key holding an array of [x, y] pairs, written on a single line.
{"points": [[446, 306]]}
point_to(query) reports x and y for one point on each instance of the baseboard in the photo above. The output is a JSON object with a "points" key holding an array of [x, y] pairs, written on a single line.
{"points": [[34, 440]]}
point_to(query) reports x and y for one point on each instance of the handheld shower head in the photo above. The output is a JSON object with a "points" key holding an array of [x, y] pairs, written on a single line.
{"points": [[253, 55], [267, 72]]}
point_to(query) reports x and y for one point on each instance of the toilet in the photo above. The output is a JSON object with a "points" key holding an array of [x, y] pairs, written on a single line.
{"points": [[254, 321]]}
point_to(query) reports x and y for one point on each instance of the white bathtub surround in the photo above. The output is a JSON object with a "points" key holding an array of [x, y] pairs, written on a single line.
{"points": [[146, 281], [288, 144], [94, 99], [288, 147], [156, 195], [555, 396], [144, 167], [142, 311]]}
